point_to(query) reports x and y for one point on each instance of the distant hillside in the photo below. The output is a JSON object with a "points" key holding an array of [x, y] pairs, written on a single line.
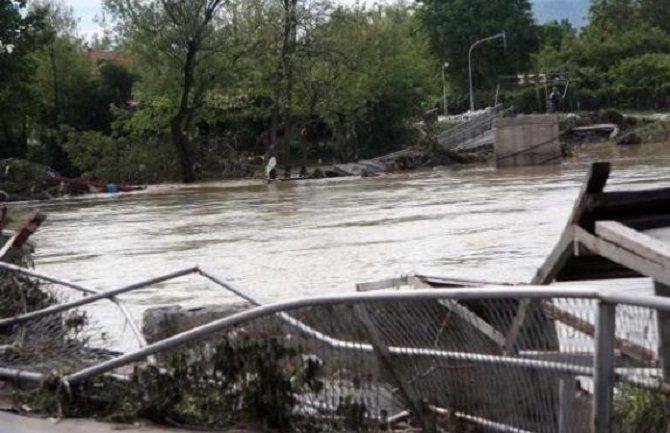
{"points": [[574, 10]]}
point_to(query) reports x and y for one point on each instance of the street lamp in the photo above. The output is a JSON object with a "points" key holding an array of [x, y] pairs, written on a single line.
{"points": [[445, 65], [490, 38]]}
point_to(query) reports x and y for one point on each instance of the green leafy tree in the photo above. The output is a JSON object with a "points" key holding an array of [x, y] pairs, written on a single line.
{"points": [[656, 13], [609, 17], [556, 34], [454, 25], [377, 75], [175, 41], [20, 35], [62, 64], [648, 70], [278, 37]]}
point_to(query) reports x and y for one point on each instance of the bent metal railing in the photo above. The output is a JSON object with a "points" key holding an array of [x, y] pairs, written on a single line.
{"points": [[415, 347], [473, 128]]}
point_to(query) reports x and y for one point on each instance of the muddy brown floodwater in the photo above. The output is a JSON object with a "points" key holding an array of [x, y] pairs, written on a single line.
{"points": [[321, 237]]}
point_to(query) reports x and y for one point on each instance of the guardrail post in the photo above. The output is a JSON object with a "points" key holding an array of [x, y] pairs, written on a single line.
{"points": [[603, 369], [663, 319]]}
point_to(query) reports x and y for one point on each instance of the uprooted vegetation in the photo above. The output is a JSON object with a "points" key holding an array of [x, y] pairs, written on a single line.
{"points": [[236, 382], [230, 381]]}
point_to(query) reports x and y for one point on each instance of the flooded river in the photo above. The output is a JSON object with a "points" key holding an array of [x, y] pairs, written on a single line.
{"points": [[323, 236]]}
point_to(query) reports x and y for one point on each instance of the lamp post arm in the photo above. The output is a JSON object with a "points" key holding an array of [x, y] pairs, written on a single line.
{"points": [[481, 41]]}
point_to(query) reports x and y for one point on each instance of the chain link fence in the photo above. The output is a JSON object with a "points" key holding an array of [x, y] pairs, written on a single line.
{"points": [[479, 359]]}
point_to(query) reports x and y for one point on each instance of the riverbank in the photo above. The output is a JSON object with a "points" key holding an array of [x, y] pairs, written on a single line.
{"points": [[22, 180]]}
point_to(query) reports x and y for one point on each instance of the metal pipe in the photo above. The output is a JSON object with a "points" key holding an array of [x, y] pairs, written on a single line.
{"points": [[139, 336], [92, 298], [508, 361], [378, 296], [15, 374], [653, 302], [490, 424]]}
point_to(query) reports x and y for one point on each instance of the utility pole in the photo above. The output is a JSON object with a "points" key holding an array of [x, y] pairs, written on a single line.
{"points": [[445, 65]]}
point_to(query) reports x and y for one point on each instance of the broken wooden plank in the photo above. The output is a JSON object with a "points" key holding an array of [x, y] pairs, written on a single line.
{"points": [[515, 328], [558, 257], [474, 320], [595, 181], [636, 242], [626, 347], [646, 222], [617, 205], [442, 282], [3, 218], [21, 236], [587, 266], [390, 283], [622, 256]]}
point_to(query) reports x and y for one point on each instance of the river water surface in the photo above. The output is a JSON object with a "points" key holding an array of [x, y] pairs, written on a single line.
{"points": [[321, 237]]}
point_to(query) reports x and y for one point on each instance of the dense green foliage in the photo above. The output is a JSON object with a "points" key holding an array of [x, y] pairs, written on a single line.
{"points": [[19, 36], [236, 381], [619, 59], [639, 410], [454, 25], [208, 88]]}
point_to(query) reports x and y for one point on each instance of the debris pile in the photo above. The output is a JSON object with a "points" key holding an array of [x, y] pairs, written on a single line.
{"points": [[24, 180]]}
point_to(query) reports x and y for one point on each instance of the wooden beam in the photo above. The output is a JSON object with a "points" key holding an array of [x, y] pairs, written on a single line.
{"points": [[381, 349], [390, 283], [556, 260], [622, 256], [593, 267], [646, 222], [594, 183], [3, 217], [21, 236], [627, 348], [450, 283], [474, 320], [525, 305], [638, 243], [631, 202]]}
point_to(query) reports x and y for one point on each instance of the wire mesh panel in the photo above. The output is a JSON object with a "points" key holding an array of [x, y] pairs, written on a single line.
{"points": [[639, 397], [363, 365], [52, 344], [459, 361]]}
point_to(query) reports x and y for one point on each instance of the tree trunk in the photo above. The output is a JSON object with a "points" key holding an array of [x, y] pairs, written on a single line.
{"points": [[181, 145], [56, 88], [178, 123], [288, 50]]}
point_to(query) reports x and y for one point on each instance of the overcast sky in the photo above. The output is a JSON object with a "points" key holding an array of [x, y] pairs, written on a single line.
{"points": [[86, 12], [90, 11]]}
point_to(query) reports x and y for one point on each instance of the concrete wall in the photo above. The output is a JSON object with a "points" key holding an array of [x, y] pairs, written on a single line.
{"points": [[527, 140]]}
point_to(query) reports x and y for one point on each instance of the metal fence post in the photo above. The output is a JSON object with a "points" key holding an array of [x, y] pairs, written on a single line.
{"points": [[603, 369], [663, 319], [566, 400]]}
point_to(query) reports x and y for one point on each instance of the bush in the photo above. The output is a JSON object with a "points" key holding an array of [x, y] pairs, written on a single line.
{"points": [[134, 158], [638, 410]]}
